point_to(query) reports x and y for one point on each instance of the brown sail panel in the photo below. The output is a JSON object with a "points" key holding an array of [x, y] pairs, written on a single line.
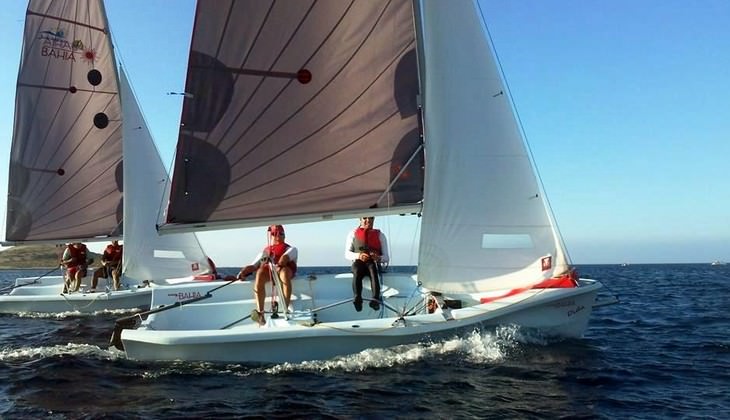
{"points": [[298, 108], [65, 176]]}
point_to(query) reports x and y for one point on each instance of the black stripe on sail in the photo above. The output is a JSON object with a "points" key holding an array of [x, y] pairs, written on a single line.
{"points": [[300, 75]]}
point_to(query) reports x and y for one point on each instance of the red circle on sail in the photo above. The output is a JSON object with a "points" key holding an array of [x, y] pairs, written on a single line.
{"points": [[304, 76], [72, 89], [61, 172]]}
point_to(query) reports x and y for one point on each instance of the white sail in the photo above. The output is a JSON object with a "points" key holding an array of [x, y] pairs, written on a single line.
{"points": [[147, 255], [485, 221], [305, 112], [66, 156]]}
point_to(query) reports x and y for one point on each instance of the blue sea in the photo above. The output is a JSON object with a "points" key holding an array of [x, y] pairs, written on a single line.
{"points": [[663, 352]]}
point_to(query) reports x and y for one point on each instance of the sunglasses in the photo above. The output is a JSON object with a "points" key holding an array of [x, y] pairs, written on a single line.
{"points": [[276, 231]]}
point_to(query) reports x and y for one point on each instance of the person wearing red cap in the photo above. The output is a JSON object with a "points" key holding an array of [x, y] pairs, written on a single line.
{"points": [[284, 257]]}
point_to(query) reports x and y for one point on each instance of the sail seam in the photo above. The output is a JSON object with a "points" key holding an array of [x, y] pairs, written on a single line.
{"points": [[60, 19], [273, 100], [290, 173], [72, 152], [326, 124]]}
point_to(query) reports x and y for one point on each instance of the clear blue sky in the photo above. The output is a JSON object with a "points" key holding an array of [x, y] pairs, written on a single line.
{"points": [[626, 106]]}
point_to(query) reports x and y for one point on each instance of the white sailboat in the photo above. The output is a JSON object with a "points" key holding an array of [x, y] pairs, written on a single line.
{"points": [[76, 122], [306, 111]]}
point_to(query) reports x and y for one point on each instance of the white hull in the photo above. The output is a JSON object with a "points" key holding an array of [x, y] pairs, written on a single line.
{"points": [[45, 295], [201, 331]]}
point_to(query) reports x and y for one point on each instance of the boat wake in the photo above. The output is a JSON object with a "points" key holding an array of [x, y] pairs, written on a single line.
{"points": [[86, 351], [478, 347], [75, 314]]}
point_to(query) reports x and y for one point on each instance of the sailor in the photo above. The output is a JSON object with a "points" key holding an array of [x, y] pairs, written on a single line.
{"points": [[75, 259], [111, 264], [367, 248], [280, 255]]}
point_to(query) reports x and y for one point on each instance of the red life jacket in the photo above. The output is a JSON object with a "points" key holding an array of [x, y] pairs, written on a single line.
{"points": [[78, 255], [114, 253], [367, 239], [276, 251]]}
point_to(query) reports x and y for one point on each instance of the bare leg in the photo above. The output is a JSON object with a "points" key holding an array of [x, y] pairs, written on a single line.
{"points": [[259, 288], [95, 278], [115, 272], [285, 274], [77, 282]]}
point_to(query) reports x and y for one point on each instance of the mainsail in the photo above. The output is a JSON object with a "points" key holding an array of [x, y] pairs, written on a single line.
{"points": [[73, 123], [296, 111], [65, 175]]}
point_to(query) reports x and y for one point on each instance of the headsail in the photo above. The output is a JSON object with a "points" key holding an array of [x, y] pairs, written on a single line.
{"points": [[147, 255], [296, 111], [66, 158], [485, 222]]}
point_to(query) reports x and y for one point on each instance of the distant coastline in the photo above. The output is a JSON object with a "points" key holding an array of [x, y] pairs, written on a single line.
{"points": [[33, 256]]}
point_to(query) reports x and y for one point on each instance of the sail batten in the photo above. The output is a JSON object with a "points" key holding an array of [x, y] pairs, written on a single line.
{"points": [[300, 108]]}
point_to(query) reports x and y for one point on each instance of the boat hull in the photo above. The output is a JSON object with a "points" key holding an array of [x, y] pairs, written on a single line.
{"points": [[554, 312], [32, 295]]}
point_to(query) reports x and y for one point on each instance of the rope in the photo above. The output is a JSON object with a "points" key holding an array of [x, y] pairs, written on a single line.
{"points": [[235, 322], [275, 292], [79, 308]]}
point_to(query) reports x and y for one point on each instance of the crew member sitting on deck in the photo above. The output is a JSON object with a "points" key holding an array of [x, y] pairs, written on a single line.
{"points": [[111, 264], [279, 254], [366, 248], [75, 259]]}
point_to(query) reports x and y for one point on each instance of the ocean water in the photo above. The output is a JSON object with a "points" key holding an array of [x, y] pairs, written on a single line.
{"points": [[663, 352]]}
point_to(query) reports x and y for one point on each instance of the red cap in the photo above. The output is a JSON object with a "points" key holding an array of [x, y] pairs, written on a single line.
{"points": [[275, 230]]}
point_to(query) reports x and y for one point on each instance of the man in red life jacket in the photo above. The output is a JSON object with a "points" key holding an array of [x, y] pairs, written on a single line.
{"points": [[284, 257], [366, 248], [111, 264], [75, 259]]}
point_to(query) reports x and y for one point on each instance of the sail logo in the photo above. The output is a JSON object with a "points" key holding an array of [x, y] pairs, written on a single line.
{"points": [[55, 45], [546, 263]]}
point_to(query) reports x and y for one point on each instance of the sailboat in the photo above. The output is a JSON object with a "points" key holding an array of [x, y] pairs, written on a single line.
{"points": [[84, 167], [315, 111]]}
